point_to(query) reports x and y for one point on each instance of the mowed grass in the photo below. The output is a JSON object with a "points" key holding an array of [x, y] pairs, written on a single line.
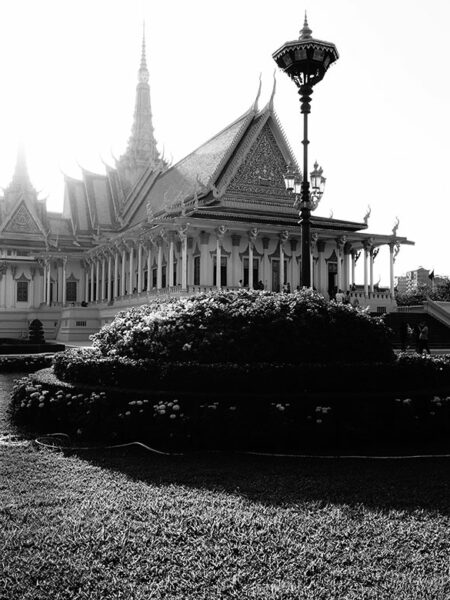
{"points": [[133, 525]]}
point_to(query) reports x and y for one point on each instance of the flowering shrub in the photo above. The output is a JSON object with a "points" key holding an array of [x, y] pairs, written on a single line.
{"points": [[294, 422], [24, 363], [246, 326]]}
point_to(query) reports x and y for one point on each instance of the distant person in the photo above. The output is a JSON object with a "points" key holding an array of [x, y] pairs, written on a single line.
{"points": [[288, 288], [339, 296], [355, 303], [404, 329], [423, 338], [347, 297], [260, 285], [241, 283], [84, 303]]}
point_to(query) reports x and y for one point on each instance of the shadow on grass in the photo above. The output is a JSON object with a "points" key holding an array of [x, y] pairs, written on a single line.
{"points": [[408, 485]]}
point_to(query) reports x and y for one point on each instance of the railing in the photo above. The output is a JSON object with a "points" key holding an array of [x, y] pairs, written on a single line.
{"points": [[436, 310], [416, 308]]}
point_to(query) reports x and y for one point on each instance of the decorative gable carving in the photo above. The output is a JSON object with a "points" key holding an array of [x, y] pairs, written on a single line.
{"points": [[22, 221], [262, 171]]}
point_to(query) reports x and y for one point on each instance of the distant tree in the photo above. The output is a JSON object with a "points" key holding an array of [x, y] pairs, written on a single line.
{"points": [[421, 293], [36, 332]]}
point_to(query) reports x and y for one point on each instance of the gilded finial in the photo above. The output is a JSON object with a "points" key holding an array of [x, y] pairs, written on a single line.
{"points": [[305, 32]]}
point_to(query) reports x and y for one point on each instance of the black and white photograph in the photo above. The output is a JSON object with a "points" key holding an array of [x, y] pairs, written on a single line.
{"points": [[224, 300]]}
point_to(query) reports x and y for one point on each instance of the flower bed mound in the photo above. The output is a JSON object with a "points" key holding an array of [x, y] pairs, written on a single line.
{"points": [[247, 327]]}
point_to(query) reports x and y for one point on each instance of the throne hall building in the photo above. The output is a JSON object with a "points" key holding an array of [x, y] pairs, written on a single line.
{"points": [[219, 218]]}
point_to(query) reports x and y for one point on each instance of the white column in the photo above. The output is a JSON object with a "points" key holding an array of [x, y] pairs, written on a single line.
{"points": [[64, 281], [102, 293], [170, 269], [49, 276], [116, 274], [218, 264], [353, 267], [97, 279], [92, 281], [391, 269], [44, 284], [366, 285], [124, 258], [108, 290], [131, 269], [139, 281], [339, 267], [250, 264], [86, 283], [281, 266], [159, 270], [371, 269], [184, 262], [149, 268]]}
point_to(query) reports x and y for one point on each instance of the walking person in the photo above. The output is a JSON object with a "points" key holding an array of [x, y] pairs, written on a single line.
{"points": [[423, 338], [404, 327]]}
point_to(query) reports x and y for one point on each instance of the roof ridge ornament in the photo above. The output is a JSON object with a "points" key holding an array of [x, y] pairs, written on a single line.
{"points": [[255, 103], [306, 31], [272, 96]]}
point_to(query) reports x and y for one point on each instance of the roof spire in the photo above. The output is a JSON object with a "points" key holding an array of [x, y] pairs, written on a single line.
{"points": [[21, 177], [143, 71], [305, 32], [141, 152]]}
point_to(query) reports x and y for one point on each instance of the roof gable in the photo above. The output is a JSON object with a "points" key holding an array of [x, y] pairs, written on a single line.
{"points": [[200, 168], [22, 220], [262, 169]]}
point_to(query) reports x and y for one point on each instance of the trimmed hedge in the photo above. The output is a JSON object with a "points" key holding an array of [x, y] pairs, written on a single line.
{"points": [[247, 327], [407, 372], [9, 364], [282, 422]]}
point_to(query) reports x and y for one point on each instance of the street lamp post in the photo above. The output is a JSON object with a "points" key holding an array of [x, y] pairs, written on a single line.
{"points": [[305, 61]]}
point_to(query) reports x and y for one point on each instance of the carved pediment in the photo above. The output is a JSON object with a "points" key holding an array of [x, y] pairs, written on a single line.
{"points": [[263, 168], [22, 221]]}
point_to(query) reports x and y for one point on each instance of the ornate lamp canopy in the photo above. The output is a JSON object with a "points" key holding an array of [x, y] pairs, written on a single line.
{"points": [[307, 59]]}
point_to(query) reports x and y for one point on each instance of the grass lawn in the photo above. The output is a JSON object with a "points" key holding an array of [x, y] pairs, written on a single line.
{"points": [[115, 524]]}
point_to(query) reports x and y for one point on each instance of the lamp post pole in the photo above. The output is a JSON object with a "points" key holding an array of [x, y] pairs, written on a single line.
{"points": [[305, 61], [305, 92]]}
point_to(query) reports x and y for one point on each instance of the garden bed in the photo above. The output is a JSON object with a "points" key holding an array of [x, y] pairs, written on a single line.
{"points": [[294, 422]]}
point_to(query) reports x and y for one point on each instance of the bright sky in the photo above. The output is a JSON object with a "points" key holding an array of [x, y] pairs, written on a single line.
{"points": [[379, 126]]}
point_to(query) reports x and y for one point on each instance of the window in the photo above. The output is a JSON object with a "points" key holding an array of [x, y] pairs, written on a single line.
{"points": [[163, 277], [22, 291], [71, 291], [196, 270], [80, 323], [154, 277]]}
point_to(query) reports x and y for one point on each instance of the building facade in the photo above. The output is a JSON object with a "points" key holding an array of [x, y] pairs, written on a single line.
{"points": [[219, 218]]}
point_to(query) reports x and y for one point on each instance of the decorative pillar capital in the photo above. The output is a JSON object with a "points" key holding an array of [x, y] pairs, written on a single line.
{"points": [[182, 231], [367, 244], [284, 236], [252, 235]]}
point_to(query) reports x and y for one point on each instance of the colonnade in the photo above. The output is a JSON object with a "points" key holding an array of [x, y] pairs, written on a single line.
{"points": [[136, 266]]}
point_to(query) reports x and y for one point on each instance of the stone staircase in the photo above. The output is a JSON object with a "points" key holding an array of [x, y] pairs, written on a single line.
{"points": [[439, 333]]}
